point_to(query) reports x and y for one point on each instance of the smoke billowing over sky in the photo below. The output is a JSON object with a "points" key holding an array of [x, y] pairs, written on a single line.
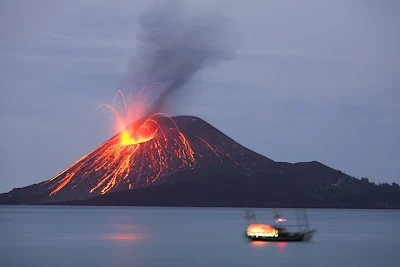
{"points": [[174, 44]]}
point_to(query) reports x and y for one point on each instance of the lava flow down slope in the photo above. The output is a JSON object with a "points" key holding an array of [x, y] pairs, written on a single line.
{"points": [[142, 155]]}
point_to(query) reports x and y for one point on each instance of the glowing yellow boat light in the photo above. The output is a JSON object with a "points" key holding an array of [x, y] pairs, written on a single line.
{"points": [[261, 230]]}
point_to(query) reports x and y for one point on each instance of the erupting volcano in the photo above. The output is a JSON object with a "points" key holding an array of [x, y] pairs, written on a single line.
{"points": [[135, 157], [184, 161], [138, 155], [142, 153]]}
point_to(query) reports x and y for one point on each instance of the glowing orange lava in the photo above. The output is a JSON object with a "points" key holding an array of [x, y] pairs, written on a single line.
{"points": [[144, 134], [135, 157]]}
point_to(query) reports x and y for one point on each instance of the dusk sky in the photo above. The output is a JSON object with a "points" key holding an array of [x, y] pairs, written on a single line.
{"points": [[308, 80]]}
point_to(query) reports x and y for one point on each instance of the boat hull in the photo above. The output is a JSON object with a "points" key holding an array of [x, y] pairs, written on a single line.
{"points": [[295, 237]]}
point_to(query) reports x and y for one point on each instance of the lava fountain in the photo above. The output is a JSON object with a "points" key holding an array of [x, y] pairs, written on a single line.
{"points": [[135, 157]]}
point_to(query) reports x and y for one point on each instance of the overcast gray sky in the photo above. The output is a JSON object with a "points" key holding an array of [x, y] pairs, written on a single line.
{"points": [[310, 80]]}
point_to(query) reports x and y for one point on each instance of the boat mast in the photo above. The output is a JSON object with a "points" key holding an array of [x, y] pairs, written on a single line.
{"points": [[298, 219], [306, 219]]}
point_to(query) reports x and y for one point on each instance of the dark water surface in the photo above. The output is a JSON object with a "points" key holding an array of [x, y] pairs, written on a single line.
{"points": [[114, 236]]}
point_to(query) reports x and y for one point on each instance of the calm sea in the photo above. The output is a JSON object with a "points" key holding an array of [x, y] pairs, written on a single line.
{"points": [[114, 236]]}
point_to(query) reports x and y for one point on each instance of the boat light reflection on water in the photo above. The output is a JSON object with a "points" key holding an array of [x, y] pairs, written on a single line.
{"points": [[261, 230]]}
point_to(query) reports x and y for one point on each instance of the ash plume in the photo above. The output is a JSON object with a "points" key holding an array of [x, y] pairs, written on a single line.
{"points": [[173, 46]]}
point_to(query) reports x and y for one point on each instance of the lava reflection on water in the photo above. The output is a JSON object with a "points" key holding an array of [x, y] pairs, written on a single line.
{"points": [[120, 237]]}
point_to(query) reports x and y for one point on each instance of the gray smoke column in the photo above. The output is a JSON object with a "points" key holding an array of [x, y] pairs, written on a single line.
{"points": [[173, 46]]}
